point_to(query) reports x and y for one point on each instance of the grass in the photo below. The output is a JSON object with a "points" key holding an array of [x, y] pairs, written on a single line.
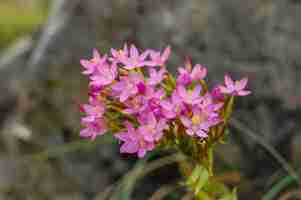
{"points": [[16, 21]]}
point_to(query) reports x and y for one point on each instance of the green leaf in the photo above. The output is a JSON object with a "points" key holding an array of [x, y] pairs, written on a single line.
{"points": [[203, 196], [278, 187], [194, 175], [202, 180], [230, 196], [198, 179], [216, 188]]}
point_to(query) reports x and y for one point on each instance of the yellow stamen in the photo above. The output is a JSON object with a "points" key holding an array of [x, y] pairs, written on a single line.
{"points": [[196, 119]]}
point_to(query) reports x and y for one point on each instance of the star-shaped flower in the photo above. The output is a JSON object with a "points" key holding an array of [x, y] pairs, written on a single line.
{"points": [[235, 88]]}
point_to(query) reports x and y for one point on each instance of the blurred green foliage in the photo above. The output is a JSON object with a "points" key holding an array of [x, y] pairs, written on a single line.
{"points": [[16, 20]]}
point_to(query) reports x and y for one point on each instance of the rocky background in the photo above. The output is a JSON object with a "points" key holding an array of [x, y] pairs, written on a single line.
{"points": [[41, 42]]}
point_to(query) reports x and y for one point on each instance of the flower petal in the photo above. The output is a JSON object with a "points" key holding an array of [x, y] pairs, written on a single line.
{"points": [[240, 85], [134, 51], [228, 81]]}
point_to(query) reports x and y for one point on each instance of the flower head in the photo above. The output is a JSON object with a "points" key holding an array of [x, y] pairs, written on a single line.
{"points": [[118, 55], [191, 96], [189, 74], [133, 141], [134, 59], [93, 128], [95, 109], [235, 88], [127, 86], [158, 59], [104, 75], [217, 94], [194, 127], [135, 87], [173, 106], [151, 128], [156, 76], [91, 65]]}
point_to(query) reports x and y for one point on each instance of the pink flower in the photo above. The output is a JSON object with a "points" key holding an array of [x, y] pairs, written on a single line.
{"points": [[189, 74], [94, 91], [95, 109], [217, 94], [91, 65], [168, 109], [134, 60], [135, 105], [158, 59], [209, 103], [151, 128], [190, 97], [173, 106], [198, 72], [134, 141], [204, 116], [118, 55], [156, 76], [235, 88], [93, 128], [184, 77], [153, 98], [148, 101], [104, 75], [127, 86], [194, 127]]}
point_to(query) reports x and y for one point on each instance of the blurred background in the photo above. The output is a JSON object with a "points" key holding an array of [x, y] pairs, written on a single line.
{"points": [[42, 41]]}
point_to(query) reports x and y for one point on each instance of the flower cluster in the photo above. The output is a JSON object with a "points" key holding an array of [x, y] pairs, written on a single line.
{"points": [[133, 95]]}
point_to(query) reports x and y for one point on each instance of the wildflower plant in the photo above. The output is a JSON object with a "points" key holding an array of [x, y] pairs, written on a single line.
{"points": [[134, 97]]}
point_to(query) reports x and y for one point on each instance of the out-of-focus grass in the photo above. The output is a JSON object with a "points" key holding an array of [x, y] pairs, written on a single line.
{"points": [[15, 20]]}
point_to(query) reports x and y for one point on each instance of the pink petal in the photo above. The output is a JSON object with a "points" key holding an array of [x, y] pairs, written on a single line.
{"points": [[225, 90], [144, 55], [166, 54], [240, 85], [243, 93], [149, 146], [162, 124], [129, 147], [141, 153], [186, 122], [166, 105], [125, 49], [151, 119], [114, 52], [134, 51], [181, 91], [114, 70], [119, 86], [198, 72], [190, 132], [129, 126], [123, 136], [196, 91], [85, 133], [124, 95], [228, 81], [88, 119], [201, 134], [85, 63], [96, 54]]}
